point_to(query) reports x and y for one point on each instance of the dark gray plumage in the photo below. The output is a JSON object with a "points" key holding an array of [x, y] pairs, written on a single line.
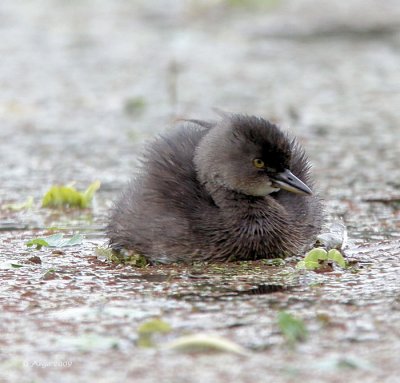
{"points": [[215, 191]]}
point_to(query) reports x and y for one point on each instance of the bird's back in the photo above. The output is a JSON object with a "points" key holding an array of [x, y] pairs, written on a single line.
{"points": [[156, 209]]}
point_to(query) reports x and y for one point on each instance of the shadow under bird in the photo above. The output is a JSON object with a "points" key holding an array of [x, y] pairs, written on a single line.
{"points": [[236, 189]]}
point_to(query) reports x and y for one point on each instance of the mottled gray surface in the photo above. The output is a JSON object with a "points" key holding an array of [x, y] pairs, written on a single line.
{"points": [[83, 83]]}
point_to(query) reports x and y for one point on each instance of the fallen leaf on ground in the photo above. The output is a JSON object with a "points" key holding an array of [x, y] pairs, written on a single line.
{"points": [[55, 240], [205, 342]]}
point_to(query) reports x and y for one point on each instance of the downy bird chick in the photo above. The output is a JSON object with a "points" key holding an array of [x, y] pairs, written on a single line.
{"points": [[236, 189]]}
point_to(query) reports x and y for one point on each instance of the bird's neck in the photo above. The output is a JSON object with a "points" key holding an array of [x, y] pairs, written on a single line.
{"points": [[229, 200]]}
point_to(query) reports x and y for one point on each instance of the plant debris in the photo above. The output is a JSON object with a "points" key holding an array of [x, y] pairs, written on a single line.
{"points": [[205, 342], [124, 257], [148, 329], [55, 240], [293, 329], [319, 258], [16, 265], [67, 196]]}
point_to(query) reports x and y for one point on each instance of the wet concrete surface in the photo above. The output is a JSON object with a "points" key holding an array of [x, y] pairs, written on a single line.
{"points": [[83, 84]]}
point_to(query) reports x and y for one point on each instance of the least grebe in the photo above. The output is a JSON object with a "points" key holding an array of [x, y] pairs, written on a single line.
{"points": [[236, 189]]}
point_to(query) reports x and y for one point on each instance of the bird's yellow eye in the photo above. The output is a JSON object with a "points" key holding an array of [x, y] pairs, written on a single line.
{"points": [[259, 164]]}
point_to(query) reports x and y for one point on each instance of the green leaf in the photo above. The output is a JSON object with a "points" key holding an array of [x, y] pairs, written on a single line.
{"points": [[312, 259], [76, 239], [19, 206], [293, 329], [205, 342], [337, 257], [38, 242], [154, 326], [56, 240], [308, 265], [316, 258], [149, 328], [68, 196], [316, 255], [16, 265]]}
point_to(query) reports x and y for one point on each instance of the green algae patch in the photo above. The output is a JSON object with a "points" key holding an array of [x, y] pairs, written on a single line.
{"points": [[293, 329], [147, 330], [319, 258], [67, 196], [122, 257], [55, 240]]}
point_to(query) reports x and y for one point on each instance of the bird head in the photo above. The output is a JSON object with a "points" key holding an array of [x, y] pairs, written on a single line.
{"points": [[248, 155]]}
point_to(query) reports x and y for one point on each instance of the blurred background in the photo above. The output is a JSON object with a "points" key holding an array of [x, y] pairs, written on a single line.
{"points": [[82, 83]]}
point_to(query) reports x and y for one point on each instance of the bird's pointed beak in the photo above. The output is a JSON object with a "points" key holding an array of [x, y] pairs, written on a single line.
{"points": [[288, 181]]}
